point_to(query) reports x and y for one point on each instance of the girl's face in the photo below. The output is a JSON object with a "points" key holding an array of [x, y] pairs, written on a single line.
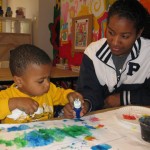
{"points": [[36, 80], [121, 35]]}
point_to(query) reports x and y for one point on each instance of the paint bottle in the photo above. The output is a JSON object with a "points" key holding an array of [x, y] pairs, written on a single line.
{"points": [[77, 107]]}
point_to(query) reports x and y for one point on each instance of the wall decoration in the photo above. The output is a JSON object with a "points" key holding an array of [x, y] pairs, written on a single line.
{"points": [[54, 28], [81, 32], [78, 8], [64, 34], [102, 21], [146, 4]]}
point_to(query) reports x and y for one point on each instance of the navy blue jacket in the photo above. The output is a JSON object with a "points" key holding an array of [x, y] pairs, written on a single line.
{"points": [[98, 78]]}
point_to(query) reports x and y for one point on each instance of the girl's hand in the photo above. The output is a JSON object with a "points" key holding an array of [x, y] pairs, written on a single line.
{"points": [[26, 104], [112, 101]]}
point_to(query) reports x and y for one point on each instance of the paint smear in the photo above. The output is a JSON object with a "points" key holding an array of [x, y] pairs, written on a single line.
{"points": [[129, 117], [101, 147], [38, 138], [78, 119], [94, 119], [65, 120], [19, 128], [41, 137], [89, 138], [100, 126], [89, 127]]}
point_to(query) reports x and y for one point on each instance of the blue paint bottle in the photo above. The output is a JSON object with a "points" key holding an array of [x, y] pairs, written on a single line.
{"points": [[77, 107]]}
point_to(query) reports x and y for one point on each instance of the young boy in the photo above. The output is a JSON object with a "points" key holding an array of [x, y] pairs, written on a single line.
{"points": [[32, 96]]}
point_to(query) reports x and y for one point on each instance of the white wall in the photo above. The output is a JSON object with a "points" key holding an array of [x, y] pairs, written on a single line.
{"points": [[46, 13], [31, 7], [41, 12]]}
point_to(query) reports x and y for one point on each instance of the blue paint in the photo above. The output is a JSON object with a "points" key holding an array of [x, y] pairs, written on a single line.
{"points": [[90, 127], [37, 138], [65, 120], [78, 119], [19, 128], [101, 147]]}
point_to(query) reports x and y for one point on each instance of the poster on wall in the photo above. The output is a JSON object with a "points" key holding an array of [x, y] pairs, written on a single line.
{"points": [[64, 34], [81, 32]]}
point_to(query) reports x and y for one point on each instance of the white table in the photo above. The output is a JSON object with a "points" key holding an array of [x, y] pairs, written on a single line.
{"points": [[101, 129]]}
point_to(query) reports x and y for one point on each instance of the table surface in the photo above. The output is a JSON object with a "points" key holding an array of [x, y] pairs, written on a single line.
{"points": [[5, 74], [105, 132]]}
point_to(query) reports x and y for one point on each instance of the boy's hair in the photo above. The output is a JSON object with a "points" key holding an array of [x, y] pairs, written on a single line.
{"points": [[130, 9], [24, 55]]}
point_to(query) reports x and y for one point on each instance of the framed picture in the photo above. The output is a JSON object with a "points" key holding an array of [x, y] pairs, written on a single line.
{"points": [[64, 34], [81, 32]]}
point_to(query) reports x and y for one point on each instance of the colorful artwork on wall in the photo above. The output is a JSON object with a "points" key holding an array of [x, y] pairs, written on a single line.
{"points": [[102, 21], [146, 4], [64, 34], [82, 32], [75, 8], [55, 32]]}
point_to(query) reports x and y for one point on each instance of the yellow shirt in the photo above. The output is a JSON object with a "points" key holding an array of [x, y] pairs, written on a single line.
{"points": [[55, 96]]}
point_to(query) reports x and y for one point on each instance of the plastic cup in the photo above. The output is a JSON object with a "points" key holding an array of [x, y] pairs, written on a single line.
{"points": [[145, 128]]}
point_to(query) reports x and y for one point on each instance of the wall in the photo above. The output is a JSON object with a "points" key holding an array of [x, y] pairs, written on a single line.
{"points": [[70, 9], [41, 12], [146, 4], [46, 10]]}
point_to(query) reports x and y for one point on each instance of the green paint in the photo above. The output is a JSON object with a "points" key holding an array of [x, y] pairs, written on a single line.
{"points": [[57, 134], [20, 142], [43, 136], [7, 143], [75, 130]]}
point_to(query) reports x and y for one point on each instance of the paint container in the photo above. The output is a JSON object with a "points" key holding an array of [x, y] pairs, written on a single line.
{"points": [[145, 128], [77, 107]]}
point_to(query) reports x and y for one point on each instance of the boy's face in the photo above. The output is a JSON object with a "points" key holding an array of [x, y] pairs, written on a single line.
{"points": [[36, 80]]}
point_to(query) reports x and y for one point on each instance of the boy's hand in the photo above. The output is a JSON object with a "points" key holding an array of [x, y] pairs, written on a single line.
{"points": [[26, 104], [68, 108]]}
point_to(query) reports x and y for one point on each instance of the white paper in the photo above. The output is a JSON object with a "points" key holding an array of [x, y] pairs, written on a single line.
{"points": [[104, 129]]}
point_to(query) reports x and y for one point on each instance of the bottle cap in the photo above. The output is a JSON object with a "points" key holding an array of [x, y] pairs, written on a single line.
{"points": [[77, 103]]}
